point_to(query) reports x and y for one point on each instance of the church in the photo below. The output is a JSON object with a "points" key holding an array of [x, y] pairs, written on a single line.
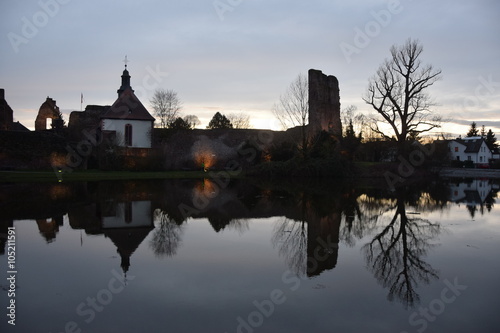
{"points": [[126, 121]]}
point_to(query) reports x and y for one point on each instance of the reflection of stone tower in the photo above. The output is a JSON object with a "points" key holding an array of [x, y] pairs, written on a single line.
{"points": [[323, 241], [324, 104]]}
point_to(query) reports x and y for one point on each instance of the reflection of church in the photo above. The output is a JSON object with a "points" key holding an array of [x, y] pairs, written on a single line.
{"points": [[125, 217], [127, 224]]}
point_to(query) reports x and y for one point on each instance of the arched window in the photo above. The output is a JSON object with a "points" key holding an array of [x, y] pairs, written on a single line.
{"points": [[128, 135]]}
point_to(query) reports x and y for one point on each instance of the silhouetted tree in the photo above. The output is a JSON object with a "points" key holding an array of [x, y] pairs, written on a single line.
{"points": [[179, 124], [192, 120], [351, 142], [491, 140], [166, 105], [473, 131], [292, 108], [239, 120], [483, 132], [219, 121], [397, 92]]}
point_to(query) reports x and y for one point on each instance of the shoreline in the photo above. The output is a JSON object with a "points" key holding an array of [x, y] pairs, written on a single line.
{"points": [[469, 173]]}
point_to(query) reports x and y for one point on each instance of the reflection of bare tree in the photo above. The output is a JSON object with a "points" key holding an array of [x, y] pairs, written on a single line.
{"points": [[290, 237], [240, 225], [395, 254], [167, 235], [360, 217]]}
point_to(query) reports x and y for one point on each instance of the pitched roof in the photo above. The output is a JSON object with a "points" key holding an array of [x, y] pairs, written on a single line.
{"points": [[472, 145], [128, 106]]}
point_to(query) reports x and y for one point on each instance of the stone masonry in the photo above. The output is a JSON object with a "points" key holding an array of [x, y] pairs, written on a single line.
{"points": [[324, 104]]}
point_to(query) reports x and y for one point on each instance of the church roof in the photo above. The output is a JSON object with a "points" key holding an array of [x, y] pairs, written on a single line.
{"points": [[128, 106]]}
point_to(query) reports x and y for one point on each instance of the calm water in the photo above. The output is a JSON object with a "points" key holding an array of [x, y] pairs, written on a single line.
{"points": [[207, 256]]}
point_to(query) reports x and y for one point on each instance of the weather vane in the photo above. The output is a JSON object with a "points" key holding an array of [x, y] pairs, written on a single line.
{"points": [[126, 61]]}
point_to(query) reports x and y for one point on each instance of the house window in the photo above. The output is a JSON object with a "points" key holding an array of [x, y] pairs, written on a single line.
{"points": [[456, 149], [480, 159], [469, 158], [128, 135]]}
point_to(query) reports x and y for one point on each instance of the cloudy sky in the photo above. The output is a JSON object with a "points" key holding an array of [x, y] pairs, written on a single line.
{"points": [[240, 55]]}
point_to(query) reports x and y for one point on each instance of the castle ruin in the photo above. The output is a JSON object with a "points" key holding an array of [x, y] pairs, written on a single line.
{"points": [[324, 104]]}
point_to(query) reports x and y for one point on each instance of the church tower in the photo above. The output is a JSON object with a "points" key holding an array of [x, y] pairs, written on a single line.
{"points": [[125, 80]]}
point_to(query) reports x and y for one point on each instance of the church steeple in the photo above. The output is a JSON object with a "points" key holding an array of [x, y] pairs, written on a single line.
{"points": [[125, 79]]}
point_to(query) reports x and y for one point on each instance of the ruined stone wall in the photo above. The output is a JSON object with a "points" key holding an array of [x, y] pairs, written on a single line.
{"points": [[194, 149], [6, 113], [48, 109], [324, 104]]}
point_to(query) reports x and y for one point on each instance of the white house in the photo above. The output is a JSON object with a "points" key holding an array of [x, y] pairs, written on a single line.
{"points": [[128, 118], [472, 149]]}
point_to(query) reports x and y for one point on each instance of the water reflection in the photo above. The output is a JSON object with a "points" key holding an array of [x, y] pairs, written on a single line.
{"points": [[311, 219], [167, 235], [396, 253], [476, 194]]}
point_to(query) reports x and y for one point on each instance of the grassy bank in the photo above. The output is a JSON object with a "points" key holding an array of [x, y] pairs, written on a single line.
{"points": [[90, 175]]}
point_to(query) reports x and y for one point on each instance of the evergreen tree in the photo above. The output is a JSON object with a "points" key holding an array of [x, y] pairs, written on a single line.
{"points": [[473, 131], [219, 121], [491, 140], [350, 141], [483, 132], [179, 123]]}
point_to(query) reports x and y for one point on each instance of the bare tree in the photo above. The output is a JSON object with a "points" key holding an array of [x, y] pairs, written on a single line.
{"points": [[239, 120], [293, 107], [192, 120], [166, 105], [397, 92]]}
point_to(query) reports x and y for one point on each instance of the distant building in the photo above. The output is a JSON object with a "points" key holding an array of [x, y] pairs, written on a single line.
{"points": [[496, 154], [127, 119], [18, 127], [6, 113], [472, 149]]}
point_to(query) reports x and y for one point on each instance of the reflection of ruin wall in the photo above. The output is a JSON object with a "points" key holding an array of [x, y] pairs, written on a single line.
{"points": [[323, 240], [324, 103]]}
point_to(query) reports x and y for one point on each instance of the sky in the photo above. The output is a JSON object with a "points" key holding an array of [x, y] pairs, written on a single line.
{"points": [[239, 56]]}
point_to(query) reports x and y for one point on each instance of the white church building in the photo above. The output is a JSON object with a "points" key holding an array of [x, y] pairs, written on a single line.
{"points": [[130, 121]]}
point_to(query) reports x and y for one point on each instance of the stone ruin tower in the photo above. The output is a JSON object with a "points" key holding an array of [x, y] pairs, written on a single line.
{"points": [[324, 104], [48, 110]]}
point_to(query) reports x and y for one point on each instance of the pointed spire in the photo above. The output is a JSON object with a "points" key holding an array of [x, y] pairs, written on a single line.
{"points": [[125, 79]]}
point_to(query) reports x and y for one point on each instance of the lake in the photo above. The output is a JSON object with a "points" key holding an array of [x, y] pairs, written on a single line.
{"points": [[214, 255]]}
